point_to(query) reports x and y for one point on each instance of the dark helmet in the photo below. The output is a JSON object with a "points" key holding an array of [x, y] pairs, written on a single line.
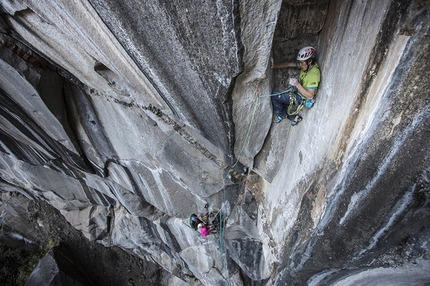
{"points": [[194, 217]]}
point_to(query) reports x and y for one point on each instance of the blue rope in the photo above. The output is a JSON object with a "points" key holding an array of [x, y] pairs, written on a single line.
{"points": [[253, 116], [278, 93]]}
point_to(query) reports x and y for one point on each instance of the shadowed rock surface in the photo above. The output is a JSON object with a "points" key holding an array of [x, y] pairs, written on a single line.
{"points": [[129, 117]]}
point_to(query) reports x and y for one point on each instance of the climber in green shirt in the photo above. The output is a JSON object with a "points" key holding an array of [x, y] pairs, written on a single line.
{"points": [[302, 92]]}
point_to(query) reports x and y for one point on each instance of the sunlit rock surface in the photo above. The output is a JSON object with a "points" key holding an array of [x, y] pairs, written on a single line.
{"points": [[129, 117]]}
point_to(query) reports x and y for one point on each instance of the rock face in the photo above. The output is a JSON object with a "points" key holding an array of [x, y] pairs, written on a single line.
{"points": [[129, 117]]}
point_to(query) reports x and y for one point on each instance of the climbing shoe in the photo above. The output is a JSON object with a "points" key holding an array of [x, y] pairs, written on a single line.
{"points": [[310, 102], [279, 119], [296, 120]]}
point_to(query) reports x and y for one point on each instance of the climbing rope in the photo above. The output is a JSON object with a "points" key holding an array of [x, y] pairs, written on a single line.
{"points": [[252, 119], [221, 228], [221, 239]]}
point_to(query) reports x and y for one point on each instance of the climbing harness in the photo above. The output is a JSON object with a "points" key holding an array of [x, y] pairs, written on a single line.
{"points": [[295, 105]]}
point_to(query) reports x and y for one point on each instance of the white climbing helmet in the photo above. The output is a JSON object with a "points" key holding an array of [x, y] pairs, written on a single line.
{"points": [[306, 53]]}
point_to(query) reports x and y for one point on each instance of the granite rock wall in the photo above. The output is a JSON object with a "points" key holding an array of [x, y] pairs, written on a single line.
{"points": [[128, 117]]}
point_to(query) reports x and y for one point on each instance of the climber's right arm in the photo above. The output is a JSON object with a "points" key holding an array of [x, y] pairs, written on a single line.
{"points": [[286, 64]]}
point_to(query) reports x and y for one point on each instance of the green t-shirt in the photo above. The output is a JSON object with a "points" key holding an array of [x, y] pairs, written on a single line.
{"points": [[310, 79]]}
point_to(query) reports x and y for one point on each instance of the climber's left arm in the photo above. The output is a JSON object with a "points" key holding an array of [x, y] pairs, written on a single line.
{"points": [[308, 93]]}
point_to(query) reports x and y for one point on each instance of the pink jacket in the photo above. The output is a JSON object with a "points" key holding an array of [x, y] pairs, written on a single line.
{"points": [[205, 230]]}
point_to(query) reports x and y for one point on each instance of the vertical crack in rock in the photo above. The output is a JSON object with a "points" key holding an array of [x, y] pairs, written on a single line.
{"points": [[124, 116], [174, 58]]}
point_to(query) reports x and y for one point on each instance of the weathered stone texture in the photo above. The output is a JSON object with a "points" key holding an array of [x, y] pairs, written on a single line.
{"points": [[183, 36], [128, 116]]}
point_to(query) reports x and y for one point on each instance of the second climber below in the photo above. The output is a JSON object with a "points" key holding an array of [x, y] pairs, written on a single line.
{"points": [[302, 92]]}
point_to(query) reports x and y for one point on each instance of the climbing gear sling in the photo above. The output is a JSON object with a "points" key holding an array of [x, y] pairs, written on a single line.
{"points": [[296, 101]]}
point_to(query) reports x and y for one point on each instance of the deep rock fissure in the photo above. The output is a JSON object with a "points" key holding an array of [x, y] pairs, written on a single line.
{"points": [[158, 97]]}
